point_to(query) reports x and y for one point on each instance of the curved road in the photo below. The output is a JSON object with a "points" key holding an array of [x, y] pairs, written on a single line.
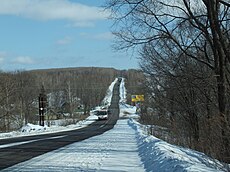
{"points": [[37, 145]]}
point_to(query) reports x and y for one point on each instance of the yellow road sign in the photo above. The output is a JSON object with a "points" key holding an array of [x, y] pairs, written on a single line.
{"points": [[138, 98]]}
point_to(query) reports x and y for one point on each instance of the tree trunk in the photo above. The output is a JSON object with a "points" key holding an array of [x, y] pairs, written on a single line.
{"points": [[220, 57]]}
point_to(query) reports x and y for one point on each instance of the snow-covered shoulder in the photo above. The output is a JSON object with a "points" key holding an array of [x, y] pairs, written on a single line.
{"points": [[107, 100], [128, 111], [123, 92], [158, 154]]}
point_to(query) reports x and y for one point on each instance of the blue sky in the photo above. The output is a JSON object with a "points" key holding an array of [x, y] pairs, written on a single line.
{"points": [[41, 34]]}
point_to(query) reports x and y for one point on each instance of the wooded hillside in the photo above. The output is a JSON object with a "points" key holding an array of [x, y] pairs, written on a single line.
{"points": [[69, 91]]}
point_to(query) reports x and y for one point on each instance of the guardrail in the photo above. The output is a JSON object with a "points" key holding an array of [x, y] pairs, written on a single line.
{"points": [[157, 131]]}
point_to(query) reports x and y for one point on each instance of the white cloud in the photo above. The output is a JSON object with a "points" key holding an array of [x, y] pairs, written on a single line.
{"points": [[65, 40], [2, 56], [78, 13], [1, 59], [23, 60]]}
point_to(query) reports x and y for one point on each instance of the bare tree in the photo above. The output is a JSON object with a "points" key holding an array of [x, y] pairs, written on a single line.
{"points": [[196, 30], [8, 90], [25, 96]]}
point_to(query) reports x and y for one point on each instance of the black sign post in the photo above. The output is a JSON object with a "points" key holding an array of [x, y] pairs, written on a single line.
{"points": [[42, 105]]}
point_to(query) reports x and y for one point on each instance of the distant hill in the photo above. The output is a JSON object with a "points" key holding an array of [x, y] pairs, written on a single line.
{"points": [[83, 87], [88, 77]]}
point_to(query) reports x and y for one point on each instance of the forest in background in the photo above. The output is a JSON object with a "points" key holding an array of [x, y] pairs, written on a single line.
{"points": [[70, 92]]}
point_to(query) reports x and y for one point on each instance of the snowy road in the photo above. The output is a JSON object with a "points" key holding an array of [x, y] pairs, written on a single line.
{"points": [[115, 150], [125, 148]]}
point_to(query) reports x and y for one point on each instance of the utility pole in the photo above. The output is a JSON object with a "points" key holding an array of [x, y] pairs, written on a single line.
{"points": [[42, 99]]}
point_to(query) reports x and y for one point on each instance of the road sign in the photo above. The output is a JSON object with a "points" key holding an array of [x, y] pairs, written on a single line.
{"points": [[138, 98]]}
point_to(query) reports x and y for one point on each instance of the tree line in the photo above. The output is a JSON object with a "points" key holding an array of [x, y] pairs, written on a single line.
{"points": [[184, 51], [68, 91]]}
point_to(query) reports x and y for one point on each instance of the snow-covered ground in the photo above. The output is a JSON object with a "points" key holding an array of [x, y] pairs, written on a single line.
{"points": [[32, 129], [115, 150], [123, 148], [160, 155]]}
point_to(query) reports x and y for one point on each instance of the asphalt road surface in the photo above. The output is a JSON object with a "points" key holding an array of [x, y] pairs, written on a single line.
{"points": [[39, 144]]}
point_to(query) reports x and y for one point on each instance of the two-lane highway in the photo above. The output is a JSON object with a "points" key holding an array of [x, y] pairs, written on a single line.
{"points": [[16, 150]]}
